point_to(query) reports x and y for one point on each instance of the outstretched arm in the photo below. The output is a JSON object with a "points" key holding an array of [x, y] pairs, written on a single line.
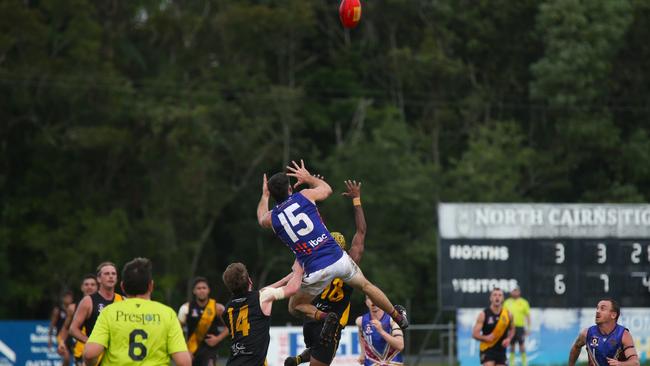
{"points": [[359, 239], [281, 282], [270, 294], [577, 345], [263, 213], [285, 280], [318, 189]]}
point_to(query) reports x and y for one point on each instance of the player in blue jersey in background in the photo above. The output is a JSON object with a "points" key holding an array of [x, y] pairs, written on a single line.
{"points": [[380, 340], [607, 342], [296, 221]]}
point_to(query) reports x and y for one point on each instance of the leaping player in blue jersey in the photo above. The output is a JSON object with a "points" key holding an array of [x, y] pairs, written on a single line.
{"points": [[296, 221], [607, 342]]}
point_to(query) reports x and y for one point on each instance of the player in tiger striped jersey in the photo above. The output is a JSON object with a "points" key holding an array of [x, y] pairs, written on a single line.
{"points": [[494, 328], [248, 313]]}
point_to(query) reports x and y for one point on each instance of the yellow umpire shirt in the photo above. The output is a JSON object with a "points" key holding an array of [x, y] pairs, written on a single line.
{"points": [[138, 332], [519, 309]]}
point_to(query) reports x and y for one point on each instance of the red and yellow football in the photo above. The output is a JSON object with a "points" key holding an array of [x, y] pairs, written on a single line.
{"points": [[350, 13]]}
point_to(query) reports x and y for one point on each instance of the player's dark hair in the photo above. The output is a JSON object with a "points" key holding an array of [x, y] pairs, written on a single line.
{"points": [[616, 307], [136, 276], [279, 187], [67, 292], [88, 276], [236, 278], [104, 264], [199, 279]]}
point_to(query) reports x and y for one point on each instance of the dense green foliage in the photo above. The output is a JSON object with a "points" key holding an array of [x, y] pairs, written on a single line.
{"points": [[143, 128]]}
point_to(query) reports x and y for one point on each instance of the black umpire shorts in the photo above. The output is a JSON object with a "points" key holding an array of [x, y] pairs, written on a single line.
{"points": [[520, 336], [323, 353]]}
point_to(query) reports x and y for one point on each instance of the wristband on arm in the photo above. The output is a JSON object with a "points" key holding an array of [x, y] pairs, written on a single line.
{"points": [[270, 292]]}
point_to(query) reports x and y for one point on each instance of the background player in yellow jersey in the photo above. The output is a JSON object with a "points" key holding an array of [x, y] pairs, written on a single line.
{"points": [[137, 331], [202, 317], [520, 310], [494, 328]]}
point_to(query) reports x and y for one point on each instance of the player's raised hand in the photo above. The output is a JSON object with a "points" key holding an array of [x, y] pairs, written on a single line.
{"points": [[299, 172], [353, 189], [377, 324], [265, 187]]}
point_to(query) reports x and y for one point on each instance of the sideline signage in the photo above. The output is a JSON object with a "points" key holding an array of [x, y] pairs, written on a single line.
{"points": [[25, 343], [288, 341]]}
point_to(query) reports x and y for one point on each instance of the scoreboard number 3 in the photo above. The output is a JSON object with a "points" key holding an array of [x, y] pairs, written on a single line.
{"points": [[559, 253], [602, 253]]}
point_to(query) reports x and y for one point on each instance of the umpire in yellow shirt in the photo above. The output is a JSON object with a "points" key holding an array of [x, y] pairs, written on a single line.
{"points": [[520, 310], [137, 331]]}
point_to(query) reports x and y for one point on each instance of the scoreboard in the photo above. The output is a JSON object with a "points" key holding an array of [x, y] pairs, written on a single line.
{"points": [[561, 255]]}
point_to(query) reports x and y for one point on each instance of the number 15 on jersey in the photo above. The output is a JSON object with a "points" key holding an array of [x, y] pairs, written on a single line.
{"points": [[296, 221]]}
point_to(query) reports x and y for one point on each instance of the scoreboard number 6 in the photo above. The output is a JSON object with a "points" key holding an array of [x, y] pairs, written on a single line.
{"points": [[560, 286]]}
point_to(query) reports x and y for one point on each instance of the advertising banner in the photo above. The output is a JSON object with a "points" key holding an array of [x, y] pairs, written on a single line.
{"points": [[25, 343], [553, 332], [288, 341]]}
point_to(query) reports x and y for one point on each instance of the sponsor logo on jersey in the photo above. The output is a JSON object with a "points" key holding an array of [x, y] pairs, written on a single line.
{"points": [[140, 318], [318, 240]]}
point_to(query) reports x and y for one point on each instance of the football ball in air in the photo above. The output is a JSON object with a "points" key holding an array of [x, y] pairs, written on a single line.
{"points": [[350, 13]]}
